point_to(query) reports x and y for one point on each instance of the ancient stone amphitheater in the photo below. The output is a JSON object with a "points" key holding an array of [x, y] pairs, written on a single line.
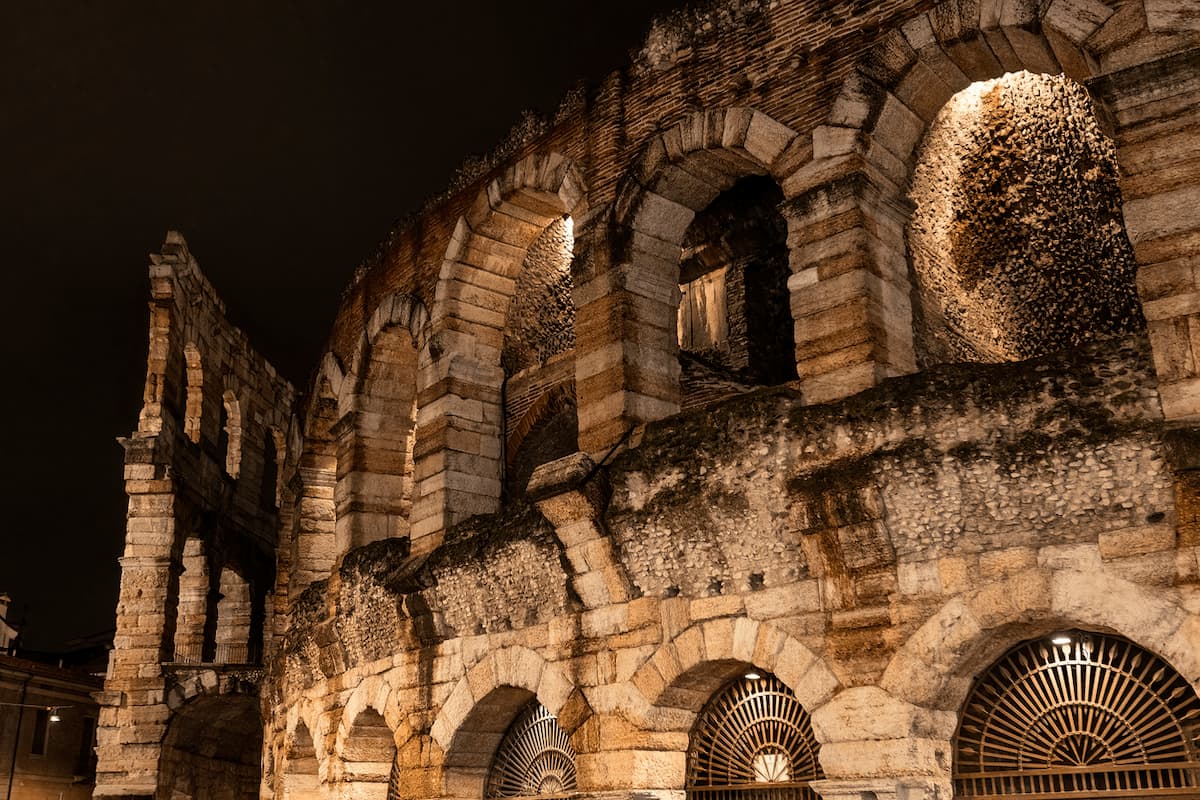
{"points": [[808, 410]]}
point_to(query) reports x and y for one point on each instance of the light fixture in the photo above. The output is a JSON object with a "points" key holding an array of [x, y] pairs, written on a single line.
{"points": [[1061, 639], [753, 676], [54, 717]]}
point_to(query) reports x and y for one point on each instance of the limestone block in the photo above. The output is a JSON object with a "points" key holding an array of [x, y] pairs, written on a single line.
{"points": [[631, 769], [1001, 563], [783, 601], [1121, 605], [716, 606], [864, 713], [998, 603], [1171, 16], [917, 578], [605, 621], [1077, 19], [886, 788], [874, 758], [1083, 557], [1136, 541], [718, 639]]}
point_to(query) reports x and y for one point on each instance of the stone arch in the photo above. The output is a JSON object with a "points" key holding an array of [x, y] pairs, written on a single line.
{"points": [[299, 769], [935, 666], [864, 155], [212, 749], [629, 373], [481, 706], [312, 543], [675, 683], [368, 756], [458, 442], [193, 409], [376, 694], [671, 688], [376, 436]]}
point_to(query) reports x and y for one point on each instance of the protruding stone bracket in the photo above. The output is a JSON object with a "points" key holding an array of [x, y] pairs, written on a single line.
{"points": [[572, 494]]}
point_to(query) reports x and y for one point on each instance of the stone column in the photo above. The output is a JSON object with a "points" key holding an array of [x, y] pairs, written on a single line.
{"points": [[133, 716], [457, 450], [1155, 110], [315, 550], [849, 286], [626, 365]]}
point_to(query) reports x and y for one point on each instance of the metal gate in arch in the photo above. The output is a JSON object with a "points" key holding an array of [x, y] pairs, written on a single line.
{"points": [[1078, 715]]}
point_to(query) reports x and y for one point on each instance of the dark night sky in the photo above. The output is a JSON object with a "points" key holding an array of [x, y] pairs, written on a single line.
{"points": [[281, 138]]}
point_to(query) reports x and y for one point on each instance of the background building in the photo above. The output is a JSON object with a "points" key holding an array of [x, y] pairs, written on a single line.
{"points": [[809, 410], [47, 731]]}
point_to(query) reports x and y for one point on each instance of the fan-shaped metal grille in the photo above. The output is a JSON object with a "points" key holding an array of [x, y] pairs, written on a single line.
{"points": [[535, 758], [753, 740], [1095, 716]]}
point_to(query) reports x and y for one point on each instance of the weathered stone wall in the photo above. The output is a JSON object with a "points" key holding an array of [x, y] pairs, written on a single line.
{"points": [[201, 524], [974, 505], [830, 102], [871, 536]]}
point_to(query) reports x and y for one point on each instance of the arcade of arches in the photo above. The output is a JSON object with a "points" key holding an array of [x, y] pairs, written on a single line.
{"points": [[808, 411]]}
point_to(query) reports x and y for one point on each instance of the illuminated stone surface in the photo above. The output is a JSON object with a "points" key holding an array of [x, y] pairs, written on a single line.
{"points": [[489, 495]]}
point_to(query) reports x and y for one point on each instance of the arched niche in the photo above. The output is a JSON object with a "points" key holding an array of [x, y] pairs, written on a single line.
{"points": [[540, 421], [734, 325], [629, 372], [1017, 242]]}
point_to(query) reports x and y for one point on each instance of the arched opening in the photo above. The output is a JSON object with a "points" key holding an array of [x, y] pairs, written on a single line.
{"points": [[230, 444], [535, 758], [539, 329], [212, 750], [753, 741], [301, 779], [1078, 714], [192, 611], [1017, 241], [369, 757], [375, 462], [194, 401], [735, 322], [460, 437]]}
